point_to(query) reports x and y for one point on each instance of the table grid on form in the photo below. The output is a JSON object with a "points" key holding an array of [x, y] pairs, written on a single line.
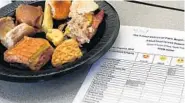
{"points": [[147, 78]]}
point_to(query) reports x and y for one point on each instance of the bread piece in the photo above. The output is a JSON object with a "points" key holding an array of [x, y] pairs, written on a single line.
{"points": [[16, 34], [67, 51], [83, 6], [32, 52], [48, 20], [30, 15], [55, 36], [60, 8], [6, 24]]}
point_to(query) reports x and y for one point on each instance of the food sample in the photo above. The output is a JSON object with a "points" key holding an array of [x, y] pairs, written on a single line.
{"points": [[60, 8], [84, 23], [62, 26], [83, 6], [80, 20], [97, 19], [6, 24], [48, 20], [30, 15], [55, 36], [83, 26], [67, 51], [16, 34], [32, 52]]}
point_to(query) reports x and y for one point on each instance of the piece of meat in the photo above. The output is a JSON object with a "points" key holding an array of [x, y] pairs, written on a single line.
{"points": [[78, 28], [97, 19], [45, 56], [32, 52], [83, 28], [6, 24], [30, 15], [16, 34]]}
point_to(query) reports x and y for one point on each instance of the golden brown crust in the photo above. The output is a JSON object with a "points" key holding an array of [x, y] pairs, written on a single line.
{"points": [[29, 14], [26, 47], [66, 52], [60, 9], [24, 51]]}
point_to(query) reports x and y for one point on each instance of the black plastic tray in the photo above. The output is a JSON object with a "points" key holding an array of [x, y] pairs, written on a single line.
{"points": [[99, 45]]}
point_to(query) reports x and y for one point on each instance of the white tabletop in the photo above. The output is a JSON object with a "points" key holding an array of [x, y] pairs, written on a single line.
{"points": [[64, 89], [179, 4]]}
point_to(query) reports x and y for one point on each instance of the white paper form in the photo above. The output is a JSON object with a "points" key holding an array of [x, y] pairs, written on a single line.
{"points": [[143, 66]]}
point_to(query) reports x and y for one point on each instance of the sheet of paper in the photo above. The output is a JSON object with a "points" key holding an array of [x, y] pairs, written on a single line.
{"points": [[143, 66]]}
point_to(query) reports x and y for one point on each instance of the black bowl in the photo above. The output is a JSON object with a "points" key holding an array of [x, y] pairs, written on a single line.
{"points": [[99, 45]]}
